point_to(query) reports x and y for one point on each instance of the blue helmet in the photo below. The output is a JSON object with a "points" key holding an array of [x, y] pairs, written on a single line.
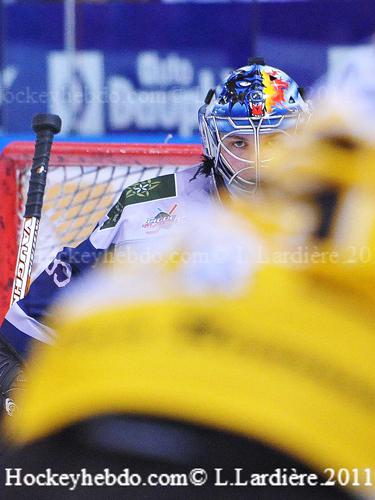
{"points": [[253, 103]]}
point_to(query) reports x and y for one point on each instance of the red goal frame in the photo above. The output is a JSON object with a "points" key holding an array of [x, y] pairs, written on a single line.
{"points": [[18, 155]]}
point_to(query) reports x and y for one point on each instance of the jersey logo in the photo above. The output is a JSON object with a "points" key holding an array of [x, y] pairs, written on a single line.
{"points": [[142, 189], [163, 220], [141, 192]]}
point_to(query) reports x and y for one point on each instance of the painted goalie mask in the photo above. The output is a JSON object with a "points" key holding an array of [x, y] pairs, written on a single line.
{"points": [[245, 113]]}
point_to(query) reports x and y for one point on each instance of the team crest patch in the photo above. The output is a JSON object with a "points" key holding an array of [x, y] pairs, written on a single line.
{"points": [[143, 191]]}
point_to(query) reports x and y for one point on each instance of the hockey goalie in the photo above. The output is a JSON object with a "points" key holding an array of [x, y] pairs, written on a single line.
{"points": [[253, 105]]}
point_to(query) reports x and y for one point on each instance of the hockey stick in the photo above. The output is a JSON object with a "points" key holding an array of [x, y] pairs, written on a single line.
{"points": [[45, 126]]}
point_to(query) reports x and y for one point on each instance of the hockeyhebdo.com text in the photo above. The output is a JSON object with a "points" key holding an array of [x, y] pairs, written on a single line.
{"points": [[218, 477], [161, 93], [119, 91], [173, 108], [300, 256]]}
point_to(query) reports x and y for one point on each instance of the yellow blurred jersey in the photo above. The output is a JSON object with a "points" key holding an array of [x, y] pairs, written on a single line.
{"points": [[290, 362]]}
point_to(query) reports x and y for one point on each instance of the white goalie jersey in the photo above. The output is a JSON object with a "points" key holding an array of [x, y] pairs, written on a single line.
{"points": [[145, 211]]}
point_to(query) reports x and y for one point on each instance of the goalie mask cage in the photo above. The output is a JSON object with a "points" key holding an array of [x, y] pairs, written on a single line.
{"points": [[83, 182]]}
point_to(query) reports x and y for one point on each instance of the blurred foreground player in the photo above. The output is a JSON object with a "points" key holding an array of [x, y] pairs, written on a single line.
{"points": [[253, 104], [270, 368]]}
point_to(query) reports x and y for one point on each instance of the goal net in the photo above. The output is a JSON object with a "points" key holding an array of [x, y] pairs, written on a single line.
{"points": [[84, 180]]}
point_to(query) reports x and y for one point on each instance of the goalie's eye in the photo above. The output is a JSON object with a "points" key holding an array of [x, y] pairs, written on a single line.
{"points": [[239, 144]]}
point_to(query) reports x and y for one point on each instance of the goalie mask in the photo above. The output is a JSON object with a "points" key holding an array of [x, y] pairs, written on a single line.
{"points": [[255, 103]]}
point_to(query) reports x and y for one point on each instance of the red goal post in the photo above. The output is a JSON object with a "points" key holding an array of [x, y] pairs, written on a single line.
{"points": [[84, 180]]}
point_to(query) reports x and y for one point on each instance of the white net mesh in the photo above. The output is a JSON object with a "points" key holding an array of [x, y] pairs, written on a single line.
{"points": [[76, 198]]}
